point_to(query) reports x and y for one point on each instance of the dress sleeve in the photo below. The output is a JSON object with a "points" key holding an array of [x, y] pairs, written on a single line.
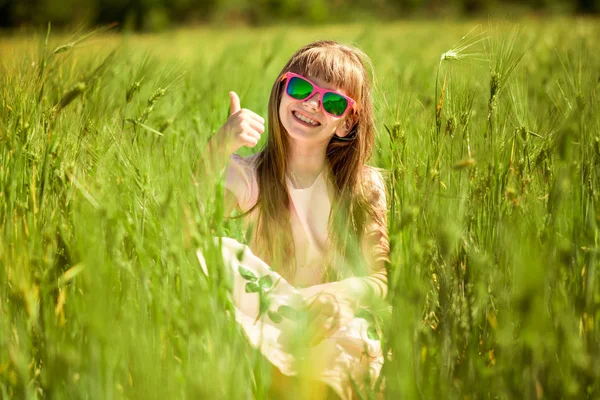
{"points": [[241, 181]]}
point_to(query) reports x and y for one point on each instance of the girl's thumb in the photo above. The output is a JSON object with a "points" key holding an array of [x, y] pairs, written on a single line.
{"points": [[235, 103]]}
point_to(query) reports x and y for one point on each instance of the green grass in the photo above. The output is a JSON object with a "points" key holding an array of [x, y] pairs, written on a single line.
{"points": [[494, 209]]}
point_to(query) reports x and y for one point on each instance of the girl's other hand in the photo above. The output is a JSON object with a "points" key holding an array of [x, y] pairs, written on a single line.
{"points": [[243, 127], [326, 314]]}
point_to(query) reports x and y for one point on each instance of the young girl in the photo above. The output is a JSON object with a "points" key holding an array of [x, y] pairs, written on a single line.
{"points": [[319, 245]]}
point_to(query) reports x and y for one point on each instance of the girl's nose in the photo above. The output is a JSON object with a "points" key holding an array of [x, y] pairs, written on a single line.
{"points": [[312, 103]]}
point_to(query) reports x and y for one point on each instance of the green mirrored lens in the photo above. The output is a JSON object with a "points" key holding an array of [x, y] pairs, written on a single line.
{"points": [[334, 104], [299, 89]]}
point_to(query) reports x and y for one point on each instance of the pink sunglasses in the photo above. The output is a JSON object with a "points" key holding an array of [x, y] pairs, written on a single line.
{"points": [[300, 88]]}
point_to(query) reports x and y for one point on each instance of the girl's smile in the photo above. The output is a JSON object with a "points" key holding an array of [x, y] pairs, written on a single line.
{"points": [[305, 119]]}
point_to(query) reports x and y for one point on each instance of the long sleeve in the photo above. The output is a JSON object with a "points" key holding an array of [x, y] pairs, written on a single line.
{"points": [[375, 243]]}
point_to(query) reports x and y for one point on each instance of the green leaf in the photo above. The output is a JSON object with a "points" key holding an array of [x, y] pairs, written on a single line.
{"points": [[247, 274], [364, 314], [372, 333], [266, 282], [252, 287], [265, 302], [288, 312], [240, 254], [274, 316]]}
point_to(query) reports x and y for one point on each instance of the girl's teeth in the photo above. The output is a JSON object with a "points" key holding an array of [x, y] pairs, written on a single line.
{"points": [[303, 118]]}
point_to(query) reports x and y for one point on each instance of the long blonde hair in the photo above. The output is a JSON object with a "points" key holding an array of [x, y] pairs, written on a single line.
{"points": [[346, 68]]}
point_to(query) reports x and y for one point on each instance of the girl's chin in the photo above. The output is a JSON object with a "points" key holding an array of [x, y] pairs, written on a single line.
{"points": [[308, 137], [300, 130], [299, 134]]}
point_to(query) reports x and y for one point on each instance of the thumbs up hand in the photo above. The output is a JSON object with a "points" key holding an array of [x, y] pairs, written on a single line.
{"points": [[242, 128]]}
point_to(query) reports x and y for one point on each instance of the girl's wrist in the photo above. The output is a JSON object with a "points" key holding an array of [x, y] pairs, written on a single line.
{"points": [[357, 291], [215, 156], [345, 291], [220, 147]]}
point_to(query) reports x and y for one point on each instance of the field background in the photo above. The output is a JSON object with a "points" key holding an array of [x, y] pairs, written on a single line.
{"points": [[489, 132]]}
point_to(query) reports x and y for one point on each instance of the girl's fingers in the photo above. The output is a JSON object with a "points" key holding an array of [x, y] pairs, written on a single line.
{"points": [[322, 328], [333, 325], [253, 115], [256, 125], [234, 102], [323, 303], [252, 133], [324, 321], [316, 332], [249, 140]]}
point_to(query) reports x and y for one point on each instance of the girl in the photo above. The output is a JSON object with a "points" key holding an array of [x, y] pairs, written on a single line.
{"points": [[320, 244]]}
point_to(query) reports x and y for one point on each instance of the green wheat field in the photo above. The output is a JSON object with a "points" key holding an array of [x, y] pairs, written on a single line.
{"points": [[489, 133]]}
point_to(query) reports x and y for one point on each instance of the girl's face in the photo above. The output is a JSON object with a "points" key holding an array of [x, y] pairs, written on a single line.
{"points": [[305, 119]]}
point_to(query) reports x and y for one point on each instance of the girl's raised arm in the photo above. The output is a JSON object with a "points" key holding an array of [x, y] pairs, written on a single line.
{"points": [[242, 128]]}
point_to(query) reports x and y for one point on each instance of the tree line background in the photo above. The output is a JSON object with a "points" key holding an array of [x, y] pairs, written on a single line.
{"points": [[151, 15]]}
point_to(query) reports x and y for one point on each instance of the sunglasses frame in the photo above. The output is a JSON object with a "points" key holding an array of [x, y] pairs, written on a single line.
{"points": [[317, 89]]}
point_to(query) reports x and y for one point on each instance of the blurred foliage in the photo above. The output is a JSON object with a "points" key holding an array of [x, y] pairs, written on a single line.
{"points": [[154, 15], [490, 145]]}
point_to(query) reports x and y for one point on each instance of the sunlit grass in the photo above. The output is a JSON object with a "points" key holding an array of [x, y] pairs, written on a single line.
{"points": [[493, 209]]}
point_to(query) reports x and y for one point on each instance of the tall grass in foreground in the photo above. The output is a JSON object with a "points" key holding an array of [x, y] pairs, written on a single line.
{"points": [[492, 149]]}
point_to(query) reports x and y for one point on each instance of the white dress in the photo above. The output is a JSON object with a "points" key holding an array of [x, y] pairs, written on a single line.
{"points": [[267, 306]]}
